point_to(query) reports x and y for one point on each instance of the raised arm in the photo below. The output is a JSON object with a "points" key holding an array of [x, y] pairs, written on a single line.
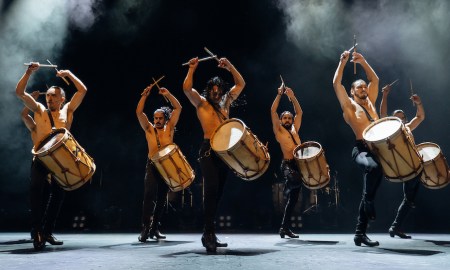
{"points": [[192, 94], [142, 117], [26, 98], [420, 113], [239, 82], [26, 117], [383, 105], [175, 104], [276, 124], [77, 98], [339, 89], [371, 76], [297, 108]]}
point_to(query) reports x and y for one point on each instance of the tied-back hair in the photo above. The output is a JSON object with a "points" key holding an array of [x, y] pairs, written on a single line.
{"points": [[285, 112], [167, 112]]}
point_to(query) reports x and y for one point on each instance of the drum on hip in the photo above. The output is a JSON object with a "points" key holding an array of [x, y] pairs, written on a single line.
{"points": [[67, 161], [173, 167], [313, 166], [240, 149], [389, 141], [435, 172]]}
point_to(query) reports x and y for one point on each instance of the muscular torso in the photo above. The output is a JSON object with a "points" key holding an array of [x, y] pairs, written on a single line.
{"points": [[61, 119], [165, 136], [286, 143], [357, 119], [209, 118]]}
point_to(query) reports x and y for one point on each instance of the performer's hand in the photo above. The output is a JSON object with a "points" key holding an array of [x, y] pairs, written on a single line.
{"points": [[386, 89], [289, 92], [193, 63], [224, 63], [35, 94], [33, 67], [147, 89], [357, 58], [344, 57], [63, 73], [416, 99], [281, 89], [164, 91]]}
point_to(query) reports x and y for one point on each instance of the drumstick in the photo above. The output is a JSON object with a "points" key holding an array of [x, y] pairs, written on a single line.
{"points": [[42, 93], [392, 83], [354, 47], [156, 82], [41, 65], [202, 59], [212, 55], [284, 87], [412, 93], [57, 71]]}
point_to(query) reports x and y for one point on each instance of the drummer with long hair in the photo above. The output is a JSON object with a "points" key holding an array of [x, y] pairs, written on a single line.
{"points": [[410, 187], [213, 108], [56, 115], [359, 112], [158, 134]]}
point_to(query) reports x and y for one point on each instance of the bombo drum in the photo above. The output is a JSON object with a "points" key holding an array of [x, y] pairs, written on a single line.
{"points": [[389, 141], [67, 161], [173, 167], [435, 172], [313, 166], [240, 149]]}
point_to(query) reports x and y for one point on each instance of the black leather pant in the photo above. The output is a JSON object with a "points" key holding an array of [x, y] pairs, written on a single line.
{"points": [[214, 172], [44, 211], [292, 188], [155, 194], [410, 189], [372, 175]]}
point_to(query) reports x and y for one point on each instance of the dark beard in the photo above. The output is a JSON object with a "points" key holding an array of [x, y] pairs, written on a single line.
{"points": [[287, 126]]}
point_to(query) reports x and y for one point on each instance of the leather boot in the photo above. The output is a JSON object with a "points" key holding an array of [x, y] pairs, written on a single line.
{"points": [[209, 241], [288, 232], [393, 231], [144, 233], [362, 238], [154, 231], [52, 240], [38, 241]]}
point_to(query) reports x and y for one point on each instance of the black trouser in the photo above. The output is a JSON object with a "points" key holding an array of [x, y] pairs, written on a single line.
{"points": [[214, 172], [372, 178], [44, 220], [292, 187], [155, 193], [410, 189]]}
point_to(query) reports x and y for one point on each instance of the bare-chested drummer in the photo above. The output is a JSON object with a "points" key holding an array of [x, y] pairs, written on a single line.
{"points": [[359, 111], [56, 115], [286, 129]]}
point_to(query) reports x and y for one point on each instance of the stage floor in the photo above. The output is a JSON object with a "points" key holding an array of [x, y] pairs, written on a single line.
{"points": [[244, 251]]}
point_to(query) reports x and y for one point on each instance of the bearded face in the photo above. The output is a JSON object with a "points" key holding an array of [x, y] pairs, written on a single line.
{"points": [[159, 120], [215, 95], [360, 90], [54, 99], [287, 120]]}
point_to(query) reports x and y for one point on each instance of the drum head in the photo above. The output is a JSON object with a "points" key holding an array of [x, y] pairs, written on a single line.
{"points": [[307, 152], [382, 129], [428, 151], [163, 152], [53, 139], [227, 135]]}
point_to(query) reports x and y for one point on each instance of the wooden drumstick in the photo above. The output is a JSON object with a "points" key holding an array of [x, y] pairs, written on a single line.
{"points": [[57, 71], [41, 65], [412, 93], [284, 87], [212, 55], [202, 59], [156, 82], [354, 47]]}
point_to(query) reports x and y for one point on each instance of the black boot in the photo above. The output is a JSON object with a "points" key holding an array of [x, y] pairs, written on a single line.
{"points": [[362, 238], [393, 231], [209, 241], [284, 231], [144, 233], [154, 231], [38, 241], [52, 240]]}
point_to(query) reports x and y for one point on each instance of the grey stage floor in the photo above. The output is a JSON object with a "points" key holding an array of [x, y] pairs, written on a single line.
{"points": [[245, 251]]}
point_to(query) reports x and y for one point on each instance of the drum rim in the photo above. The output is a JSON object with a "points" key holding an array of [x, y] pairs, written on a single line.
{"points": [[55, 146], [308, 143], [379, 121], [211, 140], [153, 159]]}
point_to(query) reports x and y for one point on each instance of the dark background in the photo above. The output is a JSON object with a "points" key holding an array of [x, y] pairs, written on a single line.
{"points": [[116, 47]]}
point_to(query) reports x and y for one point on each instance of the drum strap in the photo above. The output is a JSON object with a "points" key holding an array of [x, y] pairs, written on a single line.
{"points": [[367, 113], [157, 139], [219, 113], [51, 119], [292, 138]]}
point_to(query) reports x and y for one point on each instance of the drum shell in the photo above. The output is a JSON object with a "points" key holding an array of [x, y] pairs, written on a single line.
{"points": [[173, 167], [248, 157], [396, 152], [314, 170], [67, 161], [435, 174]]}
